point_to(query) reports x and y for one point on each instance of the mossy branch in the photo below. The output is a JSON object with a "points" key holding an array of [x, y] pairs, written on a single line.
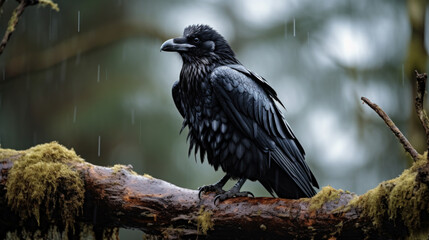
{"points": [[16, 14], [118, 197]]}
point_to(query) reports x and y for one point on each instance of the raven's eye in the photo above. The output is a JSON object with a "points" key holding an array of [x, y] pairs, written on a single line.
{"points": [[196, 40]]}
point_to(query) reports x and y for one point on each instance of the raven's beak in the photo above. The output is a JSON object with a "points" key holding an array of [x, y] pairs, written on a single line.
{"points": [[176, 45]]}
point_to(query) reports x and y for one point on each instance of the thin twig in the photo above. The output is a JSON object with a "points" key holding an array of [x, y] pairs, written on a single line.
{"points": [[421, 90], [404, 141], [12, 24]]}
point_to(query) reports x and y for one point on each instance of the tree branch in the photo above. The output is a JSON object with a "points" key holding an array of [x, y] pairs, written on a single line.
{"points": [[402, 139], [12, 24], [118, 197], [421, 113], [14, 19]]}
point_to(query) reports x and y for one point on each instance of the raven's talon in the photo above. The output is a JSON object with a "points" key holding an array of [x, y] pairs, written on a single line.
{"points": [[231, 194], [249, 194], [210, 188], [216, 199]]}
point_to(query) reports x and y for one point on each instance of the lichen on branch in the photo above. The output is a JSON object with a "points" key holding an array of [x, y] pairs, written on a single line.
{"points": [[402, 202], [41, 183]]}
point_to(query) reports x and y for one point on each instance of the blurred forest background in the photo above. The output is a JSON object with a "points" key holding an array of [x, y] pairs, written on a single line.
{"points": [[91, 77]]}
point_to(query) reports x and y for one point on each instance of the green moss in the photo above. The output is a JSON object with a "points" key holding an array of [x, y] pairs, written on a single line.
{"points": [[400, 200], [204, 220], [118, 167], [52, 233], [12, 21], [10, 154], [147, 176], [338, 228], [49, 3], [41, 184], [327, 194]]}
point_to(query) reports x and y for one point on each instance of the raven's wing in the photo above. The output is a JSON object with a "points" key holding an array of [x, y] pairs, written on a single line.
{"points": [[286, 130], [177, 97], [248, 102]]}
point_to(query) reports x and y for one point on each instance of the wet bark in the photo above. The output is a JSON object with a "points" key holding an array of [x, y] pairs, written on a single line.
{"points": [[118, 197]]}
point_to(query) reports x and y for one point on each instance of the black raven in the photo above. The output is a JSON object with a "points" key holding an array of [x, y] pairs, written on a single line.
{"points": [[233, 118]]}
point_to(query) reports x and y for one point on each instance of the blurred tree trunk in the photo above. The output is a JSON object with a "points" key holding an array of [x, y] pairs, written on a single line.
{"points": [[416, 60]]}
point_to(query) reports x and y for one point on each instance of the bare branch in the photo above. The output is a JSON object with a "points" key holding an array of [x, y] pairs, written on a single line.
{"points": [[402, 139], [421, 113]]}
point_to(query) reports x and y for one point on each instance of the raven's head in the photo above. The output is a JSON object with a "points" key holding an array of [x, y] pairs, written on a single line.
{"points": [[200, 42]]}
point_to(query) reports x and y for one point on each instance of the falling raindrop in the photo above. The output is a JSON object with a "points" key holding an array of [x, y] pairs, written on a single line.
{"points": [[78, 21], [74, 114], [4, 73], [98, 73], [99, 143], [294, 27], [403, 74], [132, 116]]}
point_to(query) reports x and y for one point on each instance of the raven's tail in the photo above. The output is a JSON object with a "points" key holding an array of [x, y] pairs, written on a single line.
{"points": [[279, 182]]}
